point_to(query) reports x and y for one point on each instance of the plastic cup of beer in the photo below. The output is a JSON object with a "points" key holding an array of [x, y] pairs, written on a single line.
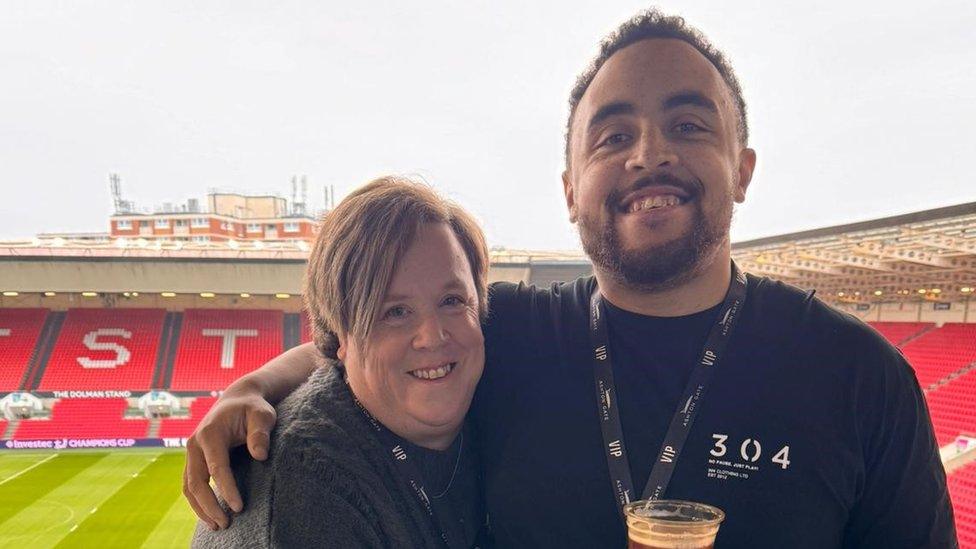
{"points": [[671, 524]]}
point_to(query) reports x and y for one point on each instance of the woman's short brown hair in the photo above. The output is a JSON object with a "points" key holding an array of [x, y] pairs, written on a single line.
{"points": [[358, 247]]}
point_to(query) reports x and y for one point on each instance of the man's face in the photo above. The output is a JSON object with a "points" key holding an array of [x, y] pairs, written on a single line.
{"points": [[655, 164]]}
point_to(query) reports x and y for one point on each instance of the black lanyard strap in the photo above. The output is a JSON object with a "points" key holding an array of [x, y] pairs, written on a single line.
{"points": [[437, 510], [674, 441]]}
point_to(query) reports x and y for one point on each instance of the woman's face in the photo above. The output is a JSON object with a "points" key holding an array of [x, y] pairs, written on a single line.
{"points": [[417, 371]]}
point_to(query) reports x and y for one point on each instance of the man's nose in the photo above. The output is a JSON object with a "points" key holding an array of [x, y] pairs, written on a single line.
{"points": [[430, 333], [651, 150]]}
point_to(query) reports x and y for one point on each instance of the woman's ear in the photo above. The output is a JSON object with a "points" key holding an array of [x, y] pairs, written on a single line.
{"points": [[343, 345]]}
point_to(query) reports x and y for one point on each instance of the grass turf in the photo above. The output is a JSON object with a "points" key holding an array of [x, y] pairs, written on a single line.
{"points": [[115, 498]]}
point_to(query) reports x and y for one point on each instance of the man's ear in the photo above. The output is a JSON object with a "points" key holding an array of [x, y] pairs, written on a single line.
{"points": [[747, 164], [570, 196]]}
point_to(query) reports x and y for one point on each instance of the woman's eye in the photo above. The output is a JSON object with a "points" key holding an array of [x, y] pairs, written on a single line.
{"points": [[453, 301], [394, 313]]}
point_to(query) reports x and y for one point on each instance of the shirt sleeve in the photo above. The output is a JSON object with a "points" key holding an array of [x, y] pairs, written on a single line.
{"points": [[904, 501]]}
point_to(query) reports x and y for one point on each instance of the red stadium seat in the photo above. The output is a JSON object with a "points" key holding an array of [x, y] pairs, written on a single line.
{"points": [[19, 330], [953, 408], [962, 490], [940, 352], [899, 332], [84, 418], [218, 346], [183, 427], [105, 349]]}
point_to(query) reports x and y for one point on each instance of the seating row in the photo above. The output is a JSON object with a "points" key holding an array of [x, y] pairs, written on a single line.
{"points": [[120, 349]]}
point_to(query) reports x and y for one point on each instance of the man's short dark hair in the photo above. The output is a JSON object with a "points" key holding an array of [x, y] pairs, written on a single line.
{"points": [[654, 24]]}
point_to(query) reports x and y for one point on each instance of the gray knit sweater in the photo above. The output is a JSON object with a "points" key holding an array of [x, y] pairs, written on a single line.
{"points": [[327, 482]]}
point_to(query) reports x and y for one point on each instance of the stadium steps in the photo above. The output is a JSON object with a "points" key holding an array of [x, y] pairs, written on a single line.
{"points": [[45, 346], [168, 356], [11, 428], [917, 335], [154, 425], [157, 376], [292, 330], [947, 379]]}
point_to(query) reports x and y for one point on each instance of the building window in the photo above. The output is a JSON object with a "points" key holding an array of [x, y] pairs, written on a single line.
{"points": [[162, 223], [181, 223], [144, 224], [200, 222], [253, 227], [291, 227], [123, 225], [201, 239]]}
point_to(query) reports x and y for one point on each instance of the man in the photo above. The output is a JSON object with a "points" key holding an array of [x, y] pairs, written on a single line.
{"points": [[667, 369]]}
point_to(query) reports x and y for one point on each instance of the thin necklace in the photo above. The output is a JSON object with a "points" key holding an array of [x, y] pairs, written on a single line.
{"points": [[456, 463]]}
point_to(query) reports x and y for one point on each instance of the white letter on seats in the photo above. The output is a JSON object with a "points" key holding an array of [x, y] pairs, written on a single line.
{"points": [[122, 355], [230, 343], [4, 332]]}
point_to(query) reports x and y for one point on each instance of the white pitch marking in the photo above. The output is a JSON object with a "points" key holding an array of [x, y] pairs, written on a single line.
{"points": [[92, 512], [21, 472], [73, 528]]}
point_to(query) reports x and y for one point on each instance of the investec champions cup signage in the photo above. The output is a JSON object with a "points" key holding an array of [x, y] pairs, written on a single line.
{"points": [[71, 443]]}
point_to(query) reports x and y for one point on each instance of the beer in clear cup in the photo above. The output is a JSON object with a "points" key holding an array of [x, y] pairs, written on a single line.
{"points": [[671, 524]]}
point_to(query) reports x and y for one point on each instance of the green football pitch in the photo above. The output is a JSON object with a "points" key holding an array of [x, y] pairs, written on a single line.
{"points": [[116, 498]]}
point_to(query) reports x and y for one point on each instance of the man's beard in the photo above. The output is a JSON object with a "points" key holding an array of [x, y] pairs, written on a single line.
{"points": [[658, 267]]}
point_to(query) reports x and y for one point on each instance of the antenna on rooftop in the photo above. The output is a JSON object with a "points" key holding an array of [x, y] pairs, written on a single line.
{"points": [[115, 183], [294, 193], [304, 201]]}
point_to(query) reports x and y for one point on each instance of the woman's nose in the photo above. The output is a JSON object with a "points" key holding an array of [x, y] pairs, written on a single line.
{"points": [[430, 333]]}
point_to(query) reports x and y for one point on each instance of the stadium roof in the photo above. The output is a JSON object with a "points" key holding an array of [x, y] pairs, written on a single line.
{"points": [[929, 254]]}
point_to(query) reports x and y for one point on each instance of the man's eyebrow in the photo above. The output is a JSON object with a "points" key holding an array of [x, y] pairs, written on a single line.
{"points": [[610, 109], [692, 98]]}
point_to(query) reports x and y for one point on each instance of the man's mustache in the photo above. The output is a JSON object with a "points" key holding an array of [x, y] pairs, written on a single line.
{"points": [[693, 187]]}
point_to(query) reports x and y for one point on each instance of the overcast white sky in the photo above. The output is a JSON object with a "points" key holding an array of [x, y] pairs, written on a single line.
{"points": [[857, 111]]}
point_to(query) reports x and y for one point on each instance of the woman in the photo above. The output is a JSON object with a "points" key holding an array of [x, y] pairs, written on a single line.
{"points": [[371, 451]]}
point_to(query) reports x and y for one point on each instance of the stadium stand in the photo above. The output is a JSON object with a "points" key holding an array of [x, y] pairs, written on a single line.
{"points": [[953, 408], [941, 352], [84, 418], [218, 346], [183, 427], [962, 490], [899, 333], [100, 349], [19, 332]]}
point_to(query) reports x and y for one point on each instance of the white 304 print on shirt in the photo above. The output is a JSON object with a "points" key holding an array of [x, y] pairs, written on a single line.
{"points": [[727, 464]]}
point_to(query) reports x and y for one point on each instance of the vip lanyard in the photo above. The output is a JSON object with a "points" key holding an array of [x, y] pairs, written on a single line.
{"points": [[409, 473], [674, 440]]}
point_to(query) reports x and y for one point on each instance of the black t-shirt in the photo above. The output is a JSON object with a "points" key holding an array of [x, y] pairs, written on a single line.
{"points": [[813, 431]]}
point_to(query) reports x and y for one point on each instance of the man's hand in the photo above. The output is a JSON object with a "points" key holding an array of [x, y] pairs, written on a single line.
{"points": [[242, 415]]}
